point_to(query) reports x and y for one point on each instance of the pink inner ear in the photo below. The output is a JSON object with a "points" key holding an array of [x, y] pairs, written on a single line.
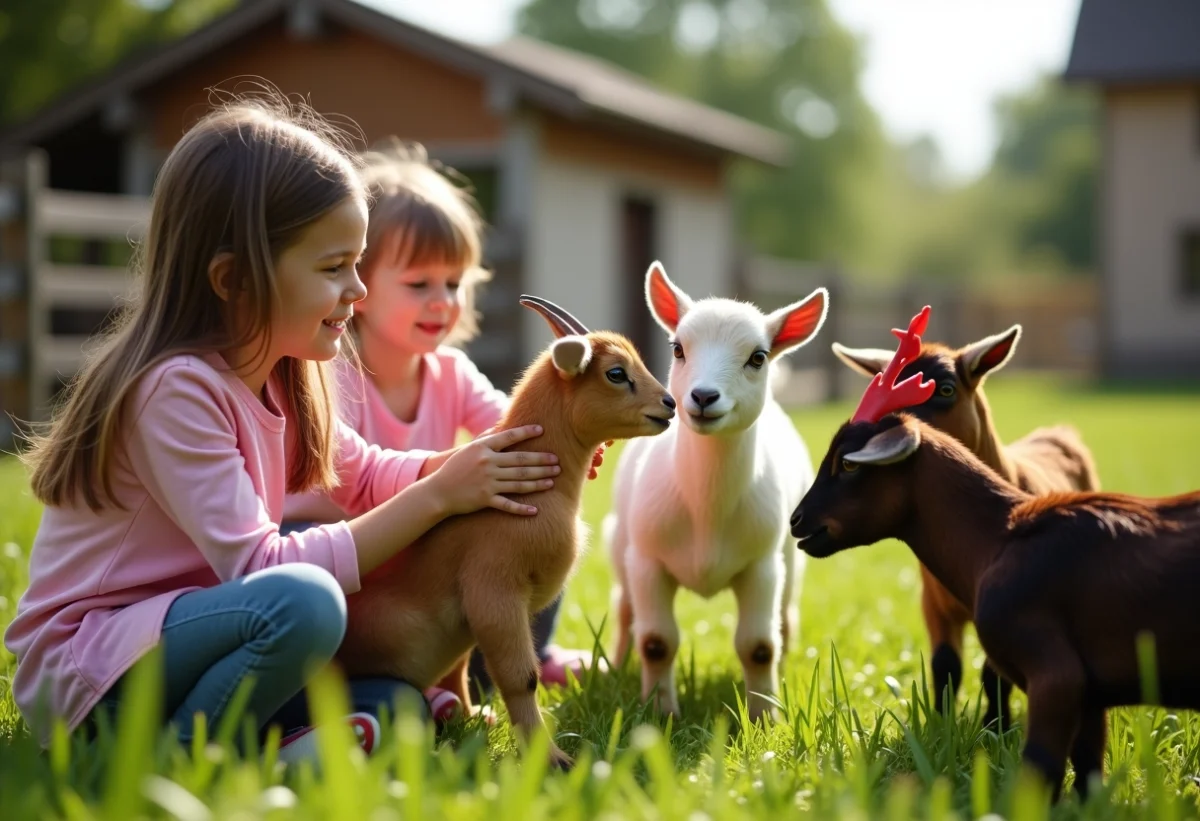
{"points": [[799, 324], [664, 301], [994, 356]]}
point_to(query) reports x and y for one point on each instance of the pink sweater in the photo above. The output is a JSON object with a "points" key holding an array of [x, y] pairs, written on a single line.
{"points": [[200, 476], [454, 396]]}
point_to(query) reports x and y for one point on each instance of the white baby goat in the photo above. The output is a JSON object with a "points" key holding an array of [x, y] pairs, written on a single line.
{"points": [[706, 504]]}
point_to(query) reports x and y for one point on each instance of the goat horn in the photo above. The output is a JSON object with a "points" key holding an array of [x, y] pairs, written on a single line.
{"points": [[559, 318]]}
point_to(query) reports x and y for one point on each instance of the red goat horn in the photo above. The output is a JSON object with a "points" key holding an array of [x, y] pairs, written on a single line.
{"points": [[883, 395]]}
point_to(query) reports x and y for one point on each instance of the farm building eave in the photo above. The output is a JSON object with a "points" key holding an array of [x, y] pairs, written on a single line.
{"points": [[1120, 42], [568, 84]]}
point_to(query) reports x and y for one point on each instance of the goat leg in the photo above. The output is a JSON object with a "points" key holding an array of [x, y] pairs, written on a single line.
{"points": [[655, 629], [997, 691], [944, 620], [1087, 753], [500, 621], [758, 639], [1055, 708], [624, 608]]}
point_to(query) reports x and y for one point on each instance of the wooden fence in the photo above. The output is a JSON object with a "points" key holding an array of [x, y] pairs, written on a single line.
{"points": [[62, 273], [50, 302]]}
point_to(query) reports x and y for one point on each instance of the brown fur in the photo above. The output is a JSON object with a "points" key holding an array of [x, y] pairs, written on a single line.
{"points": [[1048, 459], [478, 579], [1059, 586]]}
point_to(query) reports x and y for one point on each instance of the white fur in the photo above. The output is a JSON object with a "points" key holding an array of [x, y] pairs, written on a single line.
{"points": [[705, 505]]}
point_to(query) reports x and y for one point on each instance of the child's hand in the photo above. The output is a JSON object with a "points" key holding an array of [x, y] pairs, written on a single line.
{"points": [[598, 460], [474, 475]]}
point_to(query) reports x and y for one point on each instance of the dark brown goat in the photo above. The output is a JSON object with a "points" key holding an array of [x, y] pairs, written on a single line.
{"points": [[1060, 586], [1046, 460]]}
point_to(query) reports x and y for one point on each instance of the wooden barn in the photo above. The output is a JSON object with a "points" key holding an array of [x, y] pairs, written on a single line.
{"points": [[1144, 57], [585, 172]]}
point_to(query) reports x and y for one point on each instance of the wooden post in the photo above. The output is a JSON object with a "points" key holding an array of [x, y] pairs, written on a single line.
{"points": [[832, 333], [38, 322]]}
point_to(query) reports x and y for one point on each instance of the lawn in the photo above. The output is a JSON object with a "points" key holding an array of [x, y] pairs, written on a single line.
{"points": [[859, 739]]}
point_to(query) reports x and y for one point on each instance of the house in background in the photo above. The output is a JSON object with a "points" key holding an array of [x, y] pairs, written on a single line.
{"points": [[585, 172], [1145, 58]]}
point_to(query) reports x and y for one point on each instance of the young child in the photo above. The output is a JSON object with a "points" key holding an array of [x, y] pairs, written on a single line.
{"points": [[165, 472], [422, 266]]}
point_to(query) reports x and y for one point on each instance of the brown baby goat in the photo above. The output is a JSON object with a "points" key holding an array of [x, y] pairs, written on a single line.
{"points": [[1046, 460], [1060, 586], [478, 579]]}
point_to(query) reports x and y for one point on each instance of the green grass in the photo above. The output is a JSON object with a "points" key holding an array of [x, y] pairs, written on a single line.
{"points": [[859, 739]]}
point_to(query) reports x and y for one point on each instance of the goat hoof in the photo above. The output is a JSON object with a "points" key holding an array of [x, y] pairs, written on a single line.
{"points": [[560, 761]]}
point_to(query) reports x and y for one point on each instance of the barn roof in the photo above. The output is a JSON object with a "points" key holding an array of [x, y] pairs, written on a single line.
{"points": [[1122, 41], [547, 77]]}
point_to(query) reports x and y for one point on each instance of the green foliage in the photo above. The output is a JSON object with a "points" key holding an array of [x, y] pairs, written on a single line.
{"points": [[786, 64], [48, 46], [859, 738]]}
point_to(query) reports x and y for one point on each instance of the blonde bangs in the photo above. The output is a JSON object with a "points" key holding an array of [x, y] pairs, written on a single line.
{"points": [[420, 218]]}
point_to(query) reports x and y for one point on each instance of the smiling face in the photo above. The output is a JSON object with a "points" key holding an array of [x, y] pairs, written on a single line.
{"points": [[851, 503], [317, 285], [618, 397], [411, 310], [720, 366]]}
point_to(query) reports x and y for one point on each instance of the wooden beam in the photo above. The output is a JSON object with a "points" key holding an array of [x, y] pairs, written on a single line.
{"points": [[83, 286], [91, 215]]}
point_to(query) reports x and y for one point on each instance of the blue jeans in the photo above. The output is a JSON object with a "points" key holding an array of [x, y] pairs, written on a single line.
{"points": [[279, 625], [543, 626]]}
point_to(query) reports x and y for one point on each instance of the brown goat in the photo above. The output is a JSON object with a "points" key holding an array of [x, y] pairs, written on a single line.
{"points": [[1046, 460], [478, 579], [1060, 586]]}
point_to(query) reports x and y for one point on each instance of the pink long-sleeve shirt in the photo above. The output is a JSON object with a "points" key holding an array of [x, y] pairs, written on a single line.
{"points": [[200, 476], [454, 396]]}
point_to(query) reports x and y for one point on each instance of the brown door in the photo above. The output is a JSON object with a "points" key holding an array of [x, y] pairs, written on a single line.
{"points": [[639, 218]]}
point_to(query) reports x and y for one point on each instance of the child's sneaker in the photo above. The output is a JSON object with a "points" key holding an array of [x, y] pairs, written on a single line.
{"points": [[559, 660], [443, 705], [302, 744]]}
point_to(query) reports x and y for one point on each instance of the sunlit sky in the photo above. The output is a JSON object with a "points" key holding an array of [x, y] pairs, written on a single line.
{"points": [[932, 66]]}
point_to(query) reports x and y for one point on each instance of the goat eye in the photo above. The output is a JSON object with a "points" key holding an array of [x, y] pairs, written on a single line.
{"points": [[946, 389], [849, 467], [677, 350], [757, 359], [617, 376]]}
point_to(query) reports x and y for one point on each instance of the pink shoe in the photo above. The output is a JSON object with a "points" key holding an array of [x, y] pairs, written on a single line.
{"points": [[302, 744], [443, 705], [559, 660]]}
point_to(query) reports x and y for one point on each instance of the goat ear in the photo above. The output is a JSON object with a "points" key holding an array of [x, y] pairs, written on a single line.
{"points": [[887, 448], [571, 355], [667, 303], [867, 361], [794, 325], [989, 354]]}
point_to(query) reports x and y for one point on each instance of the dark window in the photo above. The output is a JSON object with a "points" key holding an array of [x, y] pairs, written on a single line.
{"points": [[639, 248], [483, 184], [1189, 263]]}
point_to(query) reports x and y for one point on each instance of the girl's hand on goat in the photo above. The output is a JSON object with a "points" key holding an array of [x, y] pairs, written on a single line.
{"points": [[598, 460], [476, 474]]}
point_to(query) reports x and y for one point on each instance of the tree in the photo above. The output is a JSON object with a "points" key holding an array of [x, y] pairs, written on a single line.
{"points": [[48, 46], [786, 64]]}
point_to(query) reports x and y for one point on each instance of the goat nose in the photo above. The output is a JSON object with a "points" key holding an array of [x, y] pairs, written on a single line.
{"points": [[705, 396], [669, 401], [797, 516]]}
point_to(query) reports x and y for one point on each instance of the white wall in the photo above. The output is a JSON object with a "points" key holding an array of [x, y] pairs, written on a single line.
{"points": [[574, 248], [1151, 192]]}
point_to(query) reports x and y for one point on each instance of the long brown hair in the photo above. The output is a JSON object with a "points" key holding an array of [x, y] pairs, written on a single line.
{"points": [[423, 213], [248, 179]]}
